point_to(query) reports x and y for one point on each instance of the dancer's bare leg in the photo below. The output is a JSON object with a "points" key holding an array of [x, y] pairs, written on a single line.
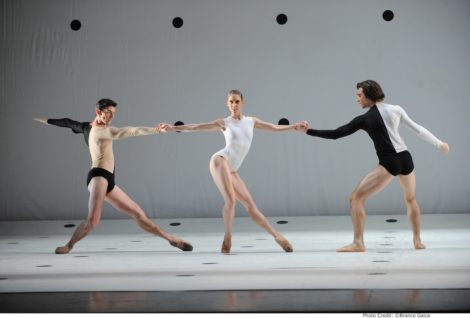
{"points": [[408, 184], [245, 198], [97, 188], [122, 202], [374, 182], [220, 172]]}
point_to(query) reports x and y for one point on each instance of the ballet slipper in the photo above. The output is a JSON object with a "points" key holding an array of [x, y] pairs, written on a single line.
{"points": [[418, 245], [62, 250], [284, 243], [182, 245], [352, 248], [226, 246]]}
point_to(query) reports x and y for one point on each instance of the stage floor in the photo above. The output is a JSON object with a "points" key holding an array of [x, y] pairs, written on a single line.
{"points": [[121, 266]]}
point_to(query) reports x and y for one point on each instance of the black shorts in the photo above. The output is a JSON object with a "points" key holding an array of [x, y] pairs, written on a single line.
{"points": [[99, 172], [397, 163]]}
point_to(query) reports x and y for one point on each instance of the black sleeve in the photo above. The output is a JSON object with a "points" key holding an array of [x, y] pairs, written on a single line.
{"points": [[77, 127], [343, 131]]}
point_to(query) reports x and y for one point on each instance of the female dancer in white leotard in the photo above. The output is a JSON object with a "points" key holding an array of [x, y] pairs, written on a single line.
{"points": [[238, 132]]}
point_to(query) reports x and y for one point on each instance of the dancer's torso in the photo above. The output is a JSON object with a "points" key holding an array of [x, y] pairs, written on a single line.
{"points": [[100, 143], [238, 136]]}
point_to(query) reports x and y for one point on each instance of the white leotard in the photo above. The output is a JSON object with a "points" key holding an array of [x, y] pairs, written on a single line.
{"points": [[238, 136]]}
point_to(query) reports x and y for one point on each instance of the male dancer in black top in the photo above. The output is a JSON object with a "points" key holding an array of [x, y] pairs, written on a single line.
{"points": [[101, 185], [381, 122]]}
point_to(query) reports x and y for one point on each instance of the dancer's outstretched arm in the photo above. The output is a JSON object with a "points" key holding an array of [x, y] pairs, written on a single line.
{"points": [[340, 132], [76, 126], [215, 125], [423, 132], [259, 124], [126, 132], [41, 120]]}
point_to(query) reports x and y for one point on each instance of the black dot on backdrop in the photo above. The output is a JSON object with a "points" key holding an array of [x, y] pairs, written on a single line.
{"points": [[75, 25], [111, 248], [13, 243], [210, 263], [391, 220], [282, 222], [178, 123], [281, 19], [283, 121], [175, 224], [388, 15], [69, 225], [185, 275], [377, 274], [177, 22], [44, 266], [3, 278]]}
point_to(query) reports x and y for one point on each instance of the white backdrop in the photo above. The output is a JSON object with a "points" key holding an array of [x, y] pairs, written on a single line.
{"points": [[305, 69]]}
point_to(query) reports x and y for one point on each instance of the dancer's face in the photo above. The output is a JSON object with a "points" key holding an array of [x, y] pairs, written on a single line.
{"points": [[235, 104], [363, 100], [106, 115]]}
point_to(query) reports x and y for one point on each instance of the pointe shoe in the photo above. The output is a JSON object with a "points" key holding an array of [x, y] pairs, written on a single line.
{"points": [[284, 243], [226, 246], [182, 245]]}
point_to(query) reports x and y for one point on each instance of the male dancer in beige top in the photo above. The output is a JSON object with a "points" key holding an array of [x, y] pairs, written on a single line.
{"points": [[99, 136]]}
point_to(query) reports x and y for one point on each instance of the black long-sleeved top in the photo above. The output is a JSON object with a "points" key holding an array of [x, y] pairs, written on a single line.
{"points": [[77, 127], [381, 122]]}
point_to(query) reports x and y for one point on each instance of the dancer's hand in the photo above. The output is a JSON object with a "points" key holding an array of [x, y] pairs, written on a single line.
{"points": [[41, 120], [164, 127], [302, 126], [444, 148]]}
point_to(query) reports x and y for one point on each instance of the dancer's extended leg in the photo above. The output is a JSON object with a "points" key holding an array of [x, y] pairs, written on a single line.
{"points": [[374, 182], [408, 184], [220, 172], [245, 198], [97, 188], [122, 202]]}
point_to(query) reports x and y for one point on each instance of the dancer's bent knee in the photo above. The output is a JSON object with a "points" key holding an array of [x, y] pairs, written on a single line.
{"points": [[92, 223], [355, 198]]}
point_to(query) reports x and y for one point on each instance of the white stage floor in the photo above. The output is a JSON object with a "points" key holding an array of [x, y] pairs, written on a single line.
{"points": [[118, 256]]}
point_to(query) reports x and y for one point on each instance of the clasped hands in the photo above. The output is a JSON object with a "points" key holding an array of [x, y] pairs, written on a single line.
{"points": [[302, 126], [165, 127]]}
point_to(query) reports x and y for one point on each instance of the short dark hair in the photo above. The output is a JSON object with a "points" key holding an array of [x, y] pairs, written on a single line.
{"points": [[372, 90], [105, 102]]}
